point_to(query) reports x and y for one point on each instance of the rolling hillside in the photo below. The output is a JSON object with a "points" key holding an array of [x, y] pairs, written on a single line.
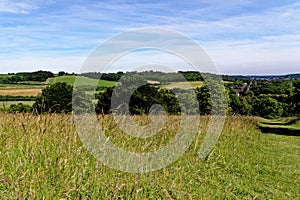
{"points": [[81, 80]]}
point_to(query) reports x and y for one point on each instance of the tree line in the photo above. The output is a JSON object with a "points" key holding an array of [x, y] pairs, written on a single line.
{"points": [[60, 97], [261, 97], [150, 75], [40, 76]]}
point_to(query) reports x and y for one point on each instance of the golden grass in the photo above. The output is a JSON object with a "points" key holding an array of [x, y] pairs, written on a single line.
{"points": [[184, 85], [21, 92]]}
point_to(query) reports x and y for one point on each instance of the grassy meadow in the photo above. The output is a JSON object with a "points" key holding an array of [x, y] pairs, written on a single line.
{"points": [[7, 104], [42, 157], [81, 81]]}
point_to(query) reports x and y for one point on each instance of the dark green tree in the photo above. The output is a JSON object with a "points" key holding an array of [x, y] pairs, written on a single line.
{"points": [[267, 107], [295, 100], [204, 99], [56, 98], [103, 105], [82, 102]]}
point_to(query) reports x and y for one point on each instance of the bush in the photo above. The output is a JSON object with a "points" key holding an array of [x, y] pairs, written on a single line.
{"points": [[19, 108], [268, 107]]}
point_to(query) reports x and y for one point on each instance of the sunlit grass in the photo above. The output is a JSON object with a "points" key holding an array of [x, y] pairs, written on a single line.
{"points": [[184, 85], [285, 126], [81, 81], [42, 157]]}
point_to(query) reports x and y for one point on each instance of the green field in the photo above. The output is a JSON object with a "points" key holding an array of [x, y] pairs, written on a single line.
{"points": [[68, 79], [33, 88], [81, 81], [42, 157], [5, 76], [6, 104]]}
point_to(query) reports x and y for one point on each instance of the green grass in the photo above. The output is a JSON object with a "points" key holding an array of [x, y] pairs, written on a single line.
{"points": [[68, 79], [6, 104], [42, 157], [5, 76], [81, 81], [288, 126], [36, 83]]}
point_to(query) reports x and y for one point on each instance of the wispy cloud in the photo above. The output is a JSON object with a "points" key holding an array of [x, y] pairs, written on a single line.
{"points": [[17, 6], [235, 33]]}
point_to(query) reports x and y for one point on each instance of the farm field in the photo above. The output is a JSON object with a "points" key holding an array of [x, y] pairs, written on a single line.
{"points": [[21, 92], [21, 86], [183, 85], [42, 156], [81, 80], [34, 88], [6, 104]]}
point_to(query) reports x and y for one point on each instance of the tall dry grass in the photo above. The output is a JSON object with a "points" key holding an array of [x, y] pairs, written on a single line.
{"points": [[42, 157]]}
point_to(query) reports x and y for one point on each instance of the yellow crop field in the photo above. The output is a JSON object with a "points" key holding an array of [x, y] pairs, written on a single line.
{"points": [[21, 92], [184, 85]]}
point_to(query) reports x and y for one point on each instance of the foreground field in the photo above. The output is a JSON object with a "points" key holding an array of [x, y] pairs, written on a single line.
{"points": [[42, 157]]}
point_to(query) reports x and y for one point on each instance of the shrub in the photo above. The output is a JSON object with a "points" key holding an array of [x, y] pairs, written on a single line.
{"points": [[19, 108]]}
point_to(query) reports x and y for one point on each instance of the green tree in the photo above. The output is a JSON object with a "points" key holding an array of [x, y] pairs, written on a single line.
{"points": [[55, 98], [82, 102], [236, 104], [295, 102], [204, 99], [267, 107], [103, 105]]}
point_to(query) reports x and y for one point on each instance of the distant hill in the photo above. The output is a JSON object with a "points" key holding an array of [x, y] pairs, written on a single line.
{"points": [[267, 77]]}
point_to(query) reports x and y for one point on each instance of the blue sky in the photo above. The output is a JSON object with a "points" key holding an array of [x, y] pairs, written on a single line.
{"points": [[240, 36]]}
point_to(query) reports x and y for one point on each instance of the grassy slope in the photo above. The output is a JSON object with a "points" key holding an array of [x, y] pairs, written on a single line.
{"points": [[81, 80], [42, 156], [283, 126]]}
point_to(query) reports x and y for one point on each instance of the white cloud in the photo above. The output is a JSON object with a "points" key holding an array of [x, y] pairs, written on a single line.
{"points": [[17, 7], [29, 63], [267, 55], [235, 40]]}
